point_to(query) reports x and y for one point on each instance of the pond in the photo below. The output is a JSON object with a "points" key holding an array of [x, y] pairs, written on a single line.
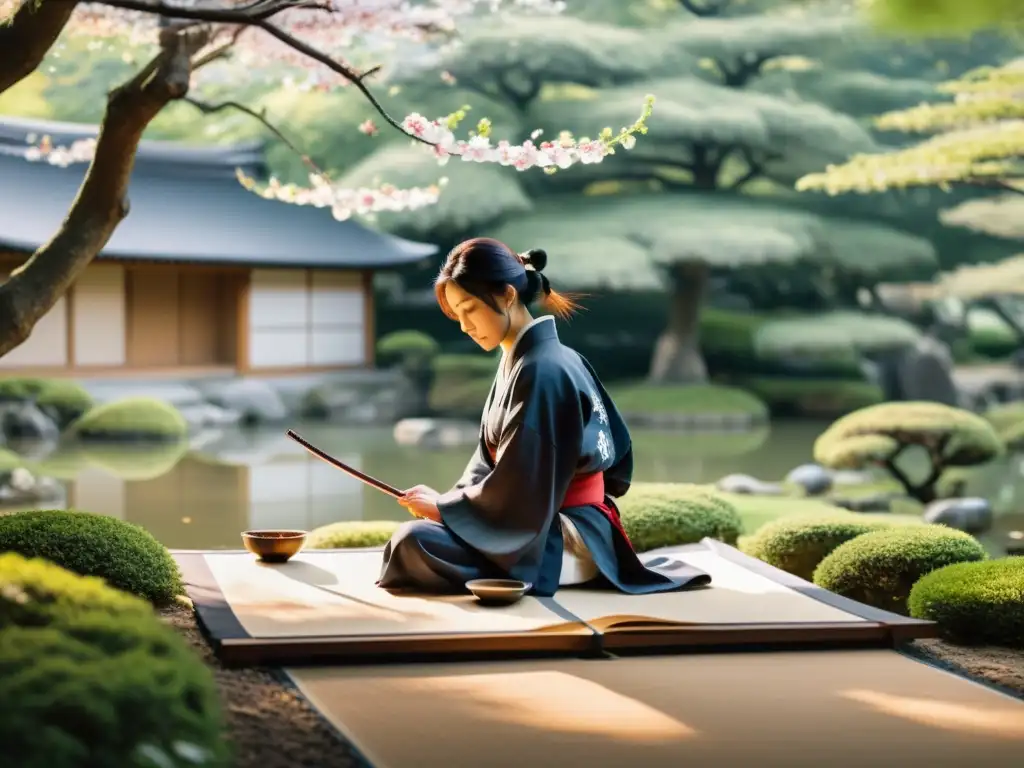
{"points": [[203, 496]]}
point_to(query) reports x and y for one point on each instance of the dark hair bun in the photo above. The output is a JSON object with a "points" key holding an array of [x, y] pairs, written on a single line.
{"points": [[536, 258]]}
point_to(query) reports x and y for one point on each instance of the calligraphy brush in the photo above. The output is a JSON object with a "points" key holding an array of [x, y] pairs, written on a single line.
{"points": [[352, 471]]}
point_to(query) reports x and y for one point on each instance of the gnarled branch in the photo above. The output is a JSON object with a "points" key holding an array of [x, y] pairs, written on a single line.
{"points": [[708, 9], [102, 202], [25, 41]]}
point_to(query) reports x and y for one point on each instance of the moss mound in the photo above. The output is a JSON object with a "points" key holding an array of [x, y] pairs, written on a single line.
{"points": [[975, 602], [352, 534], [670, 514], [133, 418], [880, 568], [398, 346], [693, 399], [124, 555], [64, 399], [94, 678]]}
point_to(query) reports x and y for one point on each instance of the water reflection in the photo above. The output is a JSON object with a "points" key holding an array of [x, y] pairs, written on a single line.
{"points": [[203, 495]]}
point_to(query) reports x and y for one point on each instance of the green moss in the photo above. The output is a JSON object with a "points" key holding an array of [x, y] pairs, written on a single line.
{"points": [[65, 398], [95, 678], [670, 514], [124, 555], [138, 462], [352, 534], [131, 418], [10, 460], [1013, 436], [881, 567], [695, 399], [975, 602], [798, 543]]}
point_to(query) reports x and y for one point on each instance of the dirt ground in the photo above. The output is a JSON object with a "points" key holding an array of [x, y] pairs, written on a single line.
{"points": [[270, 724], [1001, 667]]}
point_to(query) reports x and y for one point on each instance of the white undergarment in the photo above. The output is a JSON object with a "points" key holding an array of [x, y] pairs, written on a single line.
{"points": [[578, 565]]}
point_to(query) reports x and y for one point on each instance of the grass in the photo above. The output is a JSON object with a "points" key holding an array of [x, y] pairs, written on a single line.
{"points": [[131, 418], [695, 399], [352, 534], [671, 514]]}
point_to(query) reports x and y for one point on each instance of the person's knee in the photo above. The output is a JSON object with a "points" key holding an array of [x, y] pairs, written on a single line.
{"points": [[415, 534]]}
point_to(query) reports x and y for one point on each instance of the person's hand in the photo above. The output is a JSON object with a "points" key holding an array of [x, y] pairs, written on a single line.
{"points": [[421, 501]]}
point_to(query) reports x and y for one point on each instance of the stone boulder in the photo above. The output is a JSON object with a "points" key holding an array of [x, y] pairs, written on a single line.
{"points": [[435, 433], [206, 415], [813, 478], [925, 372], [879, 502], [969, 514], [19, 487], [24, 421], [749, 485], [255, 401]]}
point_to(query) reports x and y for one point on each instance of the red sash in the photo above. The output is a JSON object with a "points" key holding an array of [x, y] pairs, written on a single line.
{"points": [[588, 491]]}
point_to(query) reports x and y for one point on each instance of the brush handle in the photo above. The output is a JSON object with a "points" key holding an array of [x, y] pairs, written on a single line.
{"points": [[361, 476]]}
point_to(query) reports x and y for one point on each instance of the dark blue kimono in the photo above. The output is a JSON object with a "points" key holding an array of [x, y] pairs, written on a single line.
{"points": [[547, 419]]}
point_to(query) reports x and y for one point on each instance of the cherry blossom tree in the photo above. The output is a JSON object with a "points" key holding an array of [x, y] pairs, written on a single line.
{"points": [[312, 44]]}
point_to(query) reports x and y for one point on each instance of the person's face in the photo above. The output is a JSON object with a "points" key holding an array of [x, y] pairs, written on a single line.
{"points": [[476, 319]]}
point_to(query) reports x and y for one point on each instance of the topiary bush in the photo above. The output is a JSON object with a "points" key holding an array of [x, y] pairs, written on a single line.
{"points": [[671, 514], [124, 555], [797, 544], [352, 534], [132, 418], [880, 568], [974, 603], [406, 347], [90, 676], [878, 436], [63, 399]]}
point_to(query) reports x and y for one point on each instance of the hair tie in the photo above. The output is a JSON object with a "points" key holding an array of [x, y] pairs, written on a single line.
{"points": [[535, 259]]}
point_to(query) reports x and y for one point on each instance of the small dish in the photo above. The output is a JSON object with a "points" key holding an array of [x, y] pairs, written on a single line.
{"points": [[498, 591], [274, 546]]}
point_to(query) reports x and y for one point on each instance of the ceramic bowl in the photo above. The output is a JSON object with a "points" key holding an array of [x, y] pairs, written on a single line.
{"points": [[498, 591], [274, 546]]}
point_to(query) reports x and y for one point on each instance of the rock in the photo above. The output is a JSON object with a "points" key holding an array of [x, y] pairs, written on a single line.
{"points": [[879, 502], [851, 477], [202, 415], [970, 514], [377, 400], [746, 484], [435, 433], [24, 421], [256, 402], [813, 478], [925, 372], [19, 487]]}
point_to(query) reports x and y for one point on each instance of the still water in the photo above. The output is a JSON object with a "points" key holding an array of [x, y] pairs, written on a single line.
{"points": [[202, 496]]}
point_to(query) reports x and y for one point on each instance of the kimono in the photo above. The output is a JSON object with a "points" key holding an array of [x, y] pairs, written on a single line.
{"points": [[535, 501]]}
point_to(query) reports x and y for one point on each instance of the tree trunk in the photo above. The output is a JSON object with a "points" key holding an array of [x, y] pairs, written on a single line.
{"points": [[677, 358]]}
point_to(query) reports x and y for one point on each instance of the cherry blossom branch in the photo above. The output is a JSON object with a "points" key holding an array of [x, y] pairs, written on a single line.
{"points": [[28, 36]]}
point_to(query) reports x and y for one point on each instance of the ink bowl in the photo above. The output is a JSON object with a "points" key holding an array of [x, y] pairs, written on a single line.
{"points": [[274, 546], [498, 591]]}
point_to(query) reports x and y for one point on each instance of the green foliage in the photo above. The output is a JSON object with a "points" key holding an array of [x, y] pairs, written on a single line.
{"points": [[406, 347], [90, 676], [125, 555], [10, 460], [975, 602], [131, 418], [1005, 415], [798, 543], [872, 434], [859, 93], [508, 59], [65, 398], [643, 398], [830, 332], [461, 384], [931, 17], [880, 568], [811, 397], [352, 534], [984, 143], [671, 514], [474, 195]]}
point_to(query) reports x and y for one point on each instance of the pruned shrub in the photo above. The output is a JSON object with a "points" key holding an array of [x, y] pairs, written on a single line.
{"points": [[133, 418], [671, 514], [881, 567], [878, 435], [352, 534], [90, 676], [124, 555], [974, 603]]}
